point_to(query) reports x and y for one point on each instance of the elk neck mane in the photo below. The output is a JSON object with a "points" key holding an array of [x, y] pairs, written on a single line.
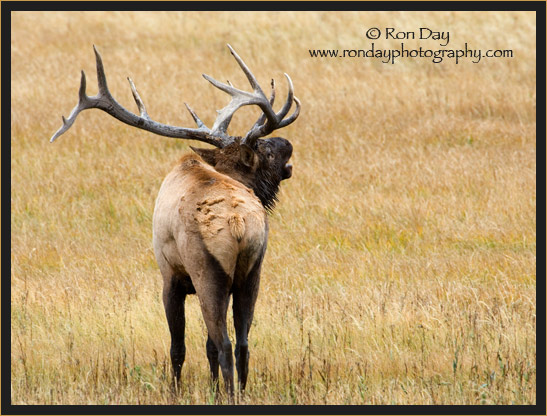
{"points": [[265, 185], [265, 188]]}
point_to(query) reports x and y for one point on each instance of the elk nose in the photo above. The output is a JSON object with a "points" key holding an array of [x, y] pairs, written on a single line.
{"points": [[287, 171]]}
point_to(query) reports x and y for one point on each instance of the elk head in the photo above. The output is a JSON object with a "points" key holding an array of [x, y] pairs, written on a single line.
{"points": [[258, 164]]}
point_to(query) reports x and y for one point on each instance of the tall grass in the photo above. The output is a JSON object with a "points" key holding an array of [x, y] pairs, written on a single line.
{"points": [[402, 253]]}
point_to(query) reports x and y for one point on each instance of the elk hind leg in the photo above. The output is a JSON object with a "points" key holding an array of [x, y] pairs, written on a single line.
{"points": [[219, 347], [243, 307], [214, 300], [174, 296], [212, 356]]}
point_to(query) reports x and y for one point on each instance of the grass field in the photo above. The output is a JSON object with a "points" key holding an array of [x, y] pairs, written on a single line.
{"points": [[401, 261]]}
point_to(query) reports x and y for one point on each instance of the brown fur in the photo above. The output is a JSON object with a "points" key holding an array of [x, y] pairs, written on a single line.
{"points": [[210, 236], [202, 218]]}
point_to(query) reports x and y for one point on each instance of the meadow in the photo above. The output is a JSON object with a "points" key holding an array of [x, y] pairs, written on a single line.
{"points": [[401, 264]]}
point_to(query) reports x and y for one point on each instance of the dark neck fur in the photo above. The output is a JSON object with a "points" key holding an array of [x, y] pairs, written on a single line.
{"points": [[265, 187]]}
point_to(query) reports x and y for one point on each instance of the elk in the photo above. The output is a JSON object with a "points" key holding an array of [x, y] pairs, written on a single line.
{"points": [[210, 224]]}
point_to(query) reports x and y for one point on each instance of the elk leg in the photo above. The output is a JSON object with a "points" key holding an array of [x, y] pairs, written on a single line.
{"points": [[212, 285], [243, 307], [214, 314], [212, 355], [242, 323], [174, 295]]}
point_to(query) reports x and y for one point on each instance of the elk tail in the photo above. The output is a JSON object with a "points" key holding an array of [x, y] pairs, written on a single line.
{"points": [[237, 226]]}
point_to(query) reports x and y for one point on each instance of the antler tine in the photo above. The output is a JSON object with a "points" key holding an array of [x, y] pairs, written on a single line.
{"points": [[247, 71], [260, 130], [262, 117], [239, 97], [287, 106], [293, 116], [137, 97], [82, 105], [106, 102], [101, 76], [196, 118]]}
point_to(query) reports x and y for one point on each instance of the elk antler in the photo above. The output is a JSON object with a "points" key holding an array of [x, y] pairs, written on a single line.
{"points": [[241, 98], [217, 136], [106, 102]]}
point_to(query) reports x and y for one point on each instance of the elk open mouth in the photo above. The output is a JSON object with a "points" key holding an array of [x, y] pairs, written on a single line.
{"points": [[287, 171]]}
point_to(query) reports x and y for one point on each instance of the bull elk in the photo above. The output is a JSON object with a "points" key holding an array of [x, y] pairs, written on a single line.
{"points": [[210, 224]]}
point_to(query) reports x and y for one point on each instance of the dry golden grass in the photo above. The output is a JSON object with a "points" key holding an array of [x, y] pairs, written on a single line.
{"points": [[401, 260]]}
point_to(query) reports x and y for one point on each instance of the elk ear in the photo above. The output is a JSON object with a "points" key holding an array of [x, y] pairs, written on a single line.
{"points": [[248, 156], [208, 155]]}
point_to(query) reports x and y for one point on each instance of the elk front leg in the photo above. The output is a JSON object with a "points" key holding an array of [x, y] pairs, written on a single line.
{"points": [[174, 296]]}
